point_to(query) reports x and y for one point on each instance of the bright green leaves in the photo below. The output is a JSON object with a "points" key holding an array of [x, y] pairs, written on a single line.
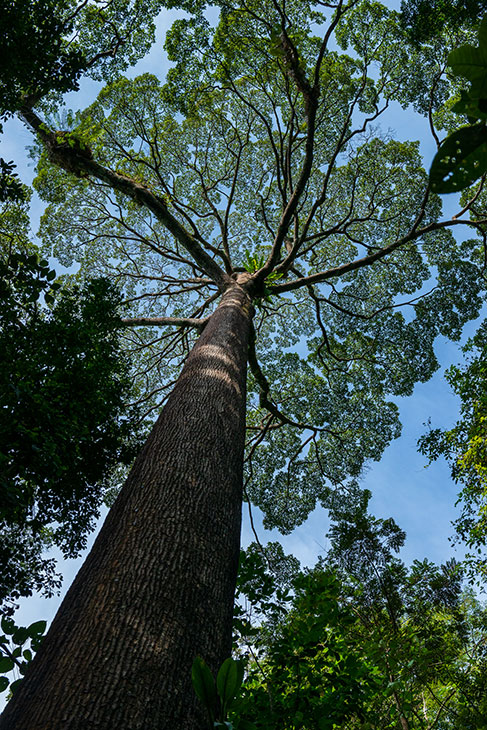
{"points": [[362, 640], [464, 447], [306, 675], [462, 157]]}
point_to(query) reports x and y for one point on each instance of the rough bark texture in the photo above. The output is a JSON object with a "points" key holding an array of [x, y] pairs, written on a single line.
{"points": [[157, 588]]}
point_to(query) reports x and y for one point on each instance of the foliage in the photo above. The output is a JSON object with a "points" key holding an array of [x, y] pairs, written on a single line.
{"points": [[364, 641], [219, 696], [17, 647], [307, 676], [464, 447], [48, 44], [248, 171], [427, 19], [36, 56], [64, 422], [263, 161], [10, 186], [462, 157]]}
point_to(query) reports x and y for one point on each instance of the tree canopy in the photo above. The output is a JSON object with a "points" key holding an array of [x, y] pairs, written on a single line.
{"points": [[64, 421], [262, 152]]}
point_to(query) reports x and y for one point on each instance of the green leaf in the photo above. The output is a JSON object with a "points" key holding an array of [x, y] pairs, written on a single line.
{"points": [[473, 108], [4, 682], [469, 62], [204, 686], [8, 626], [27, 655], [20, 636], [227, 682], [37, 629], [461, 159], [6, 664], [15, 684]]}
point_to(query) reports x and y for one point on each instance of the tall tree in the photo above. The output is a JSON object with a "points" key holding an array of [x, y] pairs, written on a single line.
{"points": [[256, 177]]}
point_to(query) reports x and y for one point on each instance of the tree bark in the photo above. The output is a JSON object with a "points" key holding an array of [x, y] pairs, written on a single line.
{"points": [[157, 588]]}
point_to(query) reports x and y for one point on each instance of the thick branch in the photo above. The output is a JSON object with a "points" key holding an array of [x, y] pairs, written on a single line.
{"points": [[370, 259], [81, 163], [163, 321], [310, 95]]}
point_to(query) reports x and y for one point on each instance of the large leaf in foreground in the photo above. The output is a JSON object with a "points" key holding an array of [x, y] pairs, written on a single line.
{"points": [[460, 160]]}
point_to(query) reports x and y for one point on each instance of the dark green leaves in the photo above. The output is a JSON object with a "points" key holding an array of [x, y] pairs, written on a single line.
{"points": [[10, 186], [462, 158], [6, 664], [63, 422], [425, 19], [34, 56], [219, 697], [470, 62], [204, 686], [17, 647]]}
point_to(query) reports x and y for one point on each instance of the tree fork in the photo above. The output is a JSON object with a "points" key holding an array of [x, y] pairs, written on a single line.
{"points": [[157, 588]]}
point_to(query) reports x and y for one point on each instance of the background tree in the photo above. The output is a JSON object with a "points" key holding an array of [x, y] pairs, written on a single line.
{"points": [[64, 423], [257, 174], [463, 446], [47, 45], [424, 20], [359, 641]]}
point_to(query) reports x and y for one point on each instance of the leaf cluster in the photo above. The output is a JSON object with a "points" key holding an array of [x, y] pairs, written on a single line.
{"points": [[364, 641], [464, 448], [219, 697], [63, 422], [18, 644], [427, 19], [462, 157]]}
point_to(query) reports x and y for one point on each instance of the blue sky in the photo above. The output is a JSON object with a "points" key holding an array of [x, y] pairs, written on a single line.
{"points": [[420, 499]]}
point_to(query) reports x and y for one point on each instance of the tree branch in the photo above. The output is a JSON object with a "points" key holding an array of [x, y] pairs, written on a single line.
{"points": [[81, 163], [371, 258], [162, 321]]}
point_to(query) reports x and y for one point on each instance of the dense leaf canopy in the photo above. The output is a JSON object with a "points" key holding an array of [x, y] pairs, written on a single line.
{"points": [[263, 151], [64, 423], [360, 640]]}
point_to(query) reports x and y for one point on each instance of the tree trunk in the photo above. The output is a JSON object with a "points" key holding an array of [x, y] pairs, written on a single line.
{"points": [[157, 588]]}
